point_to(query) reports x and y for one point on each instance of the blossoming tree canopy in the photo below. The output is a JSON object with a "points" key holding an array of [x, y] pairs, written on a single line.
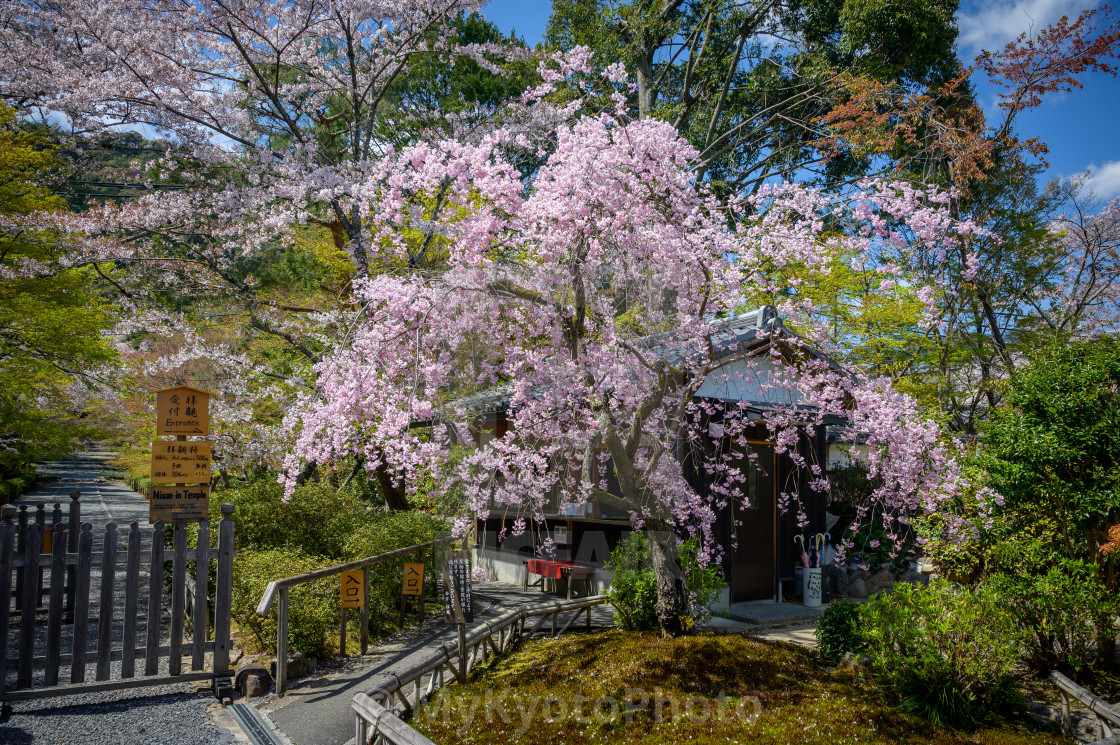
{"points": [[287, 95], [594, 296]]}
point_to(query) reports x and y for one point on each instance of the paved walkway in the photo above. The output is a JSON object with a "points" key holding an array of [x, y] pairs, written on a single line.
{"points": [[316, 710]]}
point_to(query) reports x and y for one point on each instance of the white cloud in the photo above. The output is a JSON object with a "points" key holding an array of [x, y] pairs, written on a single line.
{"points": [[1105, 180], [991, 25]]}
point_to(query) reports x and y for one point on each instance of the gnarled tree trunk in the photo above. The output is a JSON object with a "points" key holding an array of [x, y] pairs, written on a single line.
{"points": [[671, 591]]}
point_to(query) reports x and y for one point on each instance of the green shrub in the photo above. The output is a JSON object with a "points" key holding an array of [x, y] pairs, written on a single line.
{"points": [[388, 532], [313, 608], [946, 653], [840, 629], [317, 520], [633, 591], [702, 584], [1063, 613]]}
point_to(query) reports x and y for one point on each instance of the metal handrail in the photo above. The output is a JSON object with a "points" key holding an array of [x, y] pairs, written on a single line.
{"points": [[280, 588], [276, 585]]}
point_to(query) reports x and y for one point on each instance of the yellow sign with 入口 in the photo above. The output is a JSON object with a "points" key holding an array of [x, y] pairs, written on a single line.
{"points": [[351, 589], [180, 462], [182, 411], [413, 579]]}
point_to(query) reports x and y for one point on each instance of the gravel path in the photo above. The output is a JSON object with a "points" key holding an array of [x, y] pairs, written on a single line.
{"points": [[162, 714]]}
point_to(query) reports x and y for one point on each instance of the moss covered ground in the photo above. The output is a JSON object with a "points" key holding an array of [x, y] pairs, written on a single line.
{"points": [[623, 687]]}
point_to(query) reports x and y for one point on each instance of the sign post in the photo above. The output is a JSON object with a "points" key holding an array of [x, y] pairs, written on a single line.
{"points": [[180, 468], [351, 594], [412, 584], [457, 607]]}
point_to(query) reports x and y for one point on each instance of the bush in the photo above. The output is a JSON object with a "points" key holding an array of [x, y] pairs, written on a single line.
{"points": [[387, 532], [702, 584], [313, 612], [317, 520], [840, 630], [15, 487], [1063, 614], [633, 591], [946, 653]]}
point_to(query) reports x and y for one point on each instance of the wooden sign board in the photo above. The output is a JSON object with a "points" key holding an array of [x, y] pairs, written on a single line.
{"points": [[182, 411], [413, 579], [351, 589], [457, 587], [180, 462], [170, 503]]}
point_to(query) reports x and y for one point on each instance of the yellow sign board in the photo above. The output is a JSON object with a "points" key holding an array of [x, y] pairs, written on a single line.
{"points": [[413, 579], [180, 462], [351, 589], [170, 503], [182, 411]]}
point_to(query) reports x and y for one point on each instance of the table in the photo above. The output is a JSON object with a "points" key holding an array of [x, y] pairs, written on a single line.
{"points": [[547, 569]]}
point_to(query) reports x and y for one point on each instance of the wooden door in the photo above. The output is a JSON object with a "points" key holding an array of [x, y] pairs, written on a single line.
{"points": [[753, 559]]}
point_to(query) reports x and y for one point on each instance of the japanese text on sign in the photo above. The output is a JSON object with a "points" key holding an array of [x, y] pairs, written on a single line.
{"points": [[182, 411], [351, 589], [180, 462], [413, 579], [457, 587]]}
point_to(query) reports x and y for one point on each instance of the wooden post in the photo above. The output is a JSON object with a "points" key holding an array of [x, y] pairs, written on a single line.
{"points": [[178, 597], [74, 519], [57, 598], [27, 616], [21, 548], [223, 590], [105, 618], [1067, 723], [342, 632], [363, 632], [81, 606], [154, 630], [200, 618], [41, 521], [7, 544], [131, 601], [462, 638], [282, 643], [420, 555]]}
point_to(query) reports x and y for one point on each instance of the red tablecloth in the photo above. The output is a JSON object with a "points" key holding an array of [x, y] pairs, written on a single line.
{"points": [[545, 568]]}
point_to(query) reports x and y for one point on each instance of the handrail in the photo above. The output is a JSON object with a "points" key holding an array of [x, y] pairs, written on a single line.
{"points": [[281, 588], [373, 708], [1100, 708], [280, 584]]}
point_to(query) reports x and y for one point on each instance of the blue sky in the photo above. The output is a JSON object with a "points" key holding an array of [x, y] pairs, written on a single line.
{"points": [[1082, 128]]}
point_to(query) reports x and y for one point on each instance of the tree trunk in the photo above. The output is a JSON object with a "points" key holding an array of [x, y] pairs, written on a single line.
{"points": [[671, 590], [395, 499]]}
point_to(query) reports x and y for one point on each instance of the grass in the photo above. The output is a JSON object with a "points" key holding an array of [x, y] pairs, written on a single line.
{"points": [[697, 689]]}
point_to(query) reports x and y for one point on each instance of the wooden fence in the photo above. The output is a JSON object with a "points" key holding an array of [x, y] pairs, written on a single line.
{"points": [[378, 710], [54, 563], [1107, 715], [280, 588]]}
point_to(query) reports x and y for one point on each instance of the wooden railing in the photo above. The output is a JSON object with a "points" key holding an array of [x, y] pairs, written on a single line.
{"points": [[1107, 715], [378, 709], [280, 588]]}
